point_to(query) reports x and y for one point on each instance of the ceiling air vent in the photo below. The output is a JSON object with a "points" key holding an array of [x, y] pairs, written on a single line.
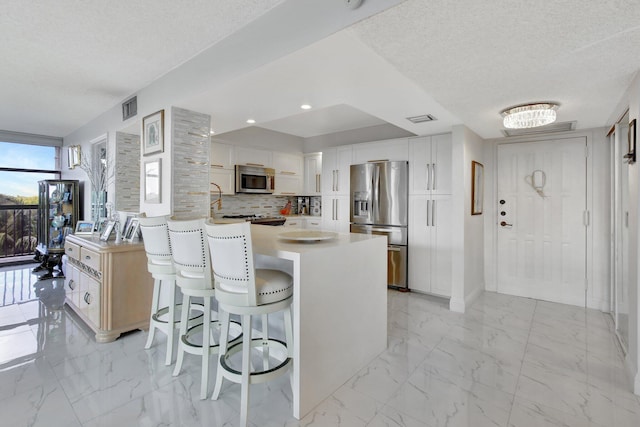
{"points": [[422, 119], [129, 108], [552, 128]]}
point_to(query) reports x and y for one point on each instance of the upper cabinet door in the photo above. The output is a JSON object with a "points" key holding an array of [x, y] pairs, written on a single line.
{"points": [[254, 157], [430, 165], [390, 150], [441, 163], [419, 165], [312, 174], [221, 155], [287, 163]]}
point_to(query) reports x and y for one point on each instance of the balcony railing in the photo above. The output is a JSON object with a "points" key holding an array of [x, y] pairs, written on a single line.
{"points": [[18, 230]]}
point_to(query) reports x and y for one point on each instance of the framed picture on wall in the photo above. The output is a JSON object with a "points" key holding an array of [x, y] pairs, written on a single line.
{"points": [[153, 181], [477, 187], [153, 133], [631, 151]]}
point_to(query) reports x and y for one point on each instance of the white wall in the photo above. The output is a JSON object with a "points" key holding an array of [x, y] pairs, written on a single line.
{"points": [[468, 230], [255, 136]]}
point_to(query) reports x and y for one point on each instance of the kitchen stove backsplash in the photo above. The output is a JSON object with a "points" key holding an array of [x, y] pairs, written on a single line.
{"points": [[249, 204]]}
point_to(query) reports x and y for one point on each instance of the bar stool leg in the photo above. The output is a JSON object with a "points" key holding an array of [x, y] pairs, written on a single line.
{"points": [[171, 323], [224, 340], [154, 310], [206, 349], [265, 342], [246, 369], [184, 319]]}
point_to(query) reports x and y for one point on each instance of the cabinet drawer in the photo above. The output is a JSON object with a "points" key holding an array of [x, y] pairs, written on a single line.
{"points": [[72, 250], [314, 224], [90, 258]]}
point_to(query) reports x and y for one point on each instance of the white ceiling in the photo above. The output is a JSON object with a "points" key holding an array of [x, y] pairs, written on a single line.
{"points": [[66, 62]]}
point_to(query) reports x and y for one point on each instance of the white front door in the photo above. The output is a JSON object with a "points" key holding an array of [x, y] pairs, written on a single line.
{"points": [[541, 220]]}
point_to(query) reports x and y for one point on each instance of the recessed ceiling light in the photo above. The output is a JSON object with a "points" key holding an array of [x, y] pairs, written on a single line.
{"points": [[251, 121], [305, 106], [211, 132]]}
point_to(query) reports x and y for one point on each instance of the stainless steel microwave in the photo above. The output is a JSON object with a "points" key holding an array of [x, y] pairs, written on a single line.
{"points": [[254, 179]]}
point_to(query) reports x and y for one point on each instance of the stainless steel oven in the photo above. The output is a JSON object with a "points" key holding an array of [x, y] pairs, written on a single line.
{"points": [[254, 179]]}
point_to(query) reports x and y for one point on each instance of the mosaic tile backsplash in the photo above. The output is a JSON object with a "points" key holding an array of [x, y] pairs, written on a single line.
{"points": [[251, 204]]}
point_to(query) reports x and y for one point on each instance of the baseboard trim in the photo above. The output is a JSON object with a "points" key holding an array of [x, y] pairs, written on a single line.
{"points": [[459, 306]]}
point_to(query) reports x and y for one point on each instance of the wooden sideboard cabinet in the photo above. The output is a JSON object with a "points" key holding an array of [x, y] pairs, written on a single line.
{"points": [[108, 285]]}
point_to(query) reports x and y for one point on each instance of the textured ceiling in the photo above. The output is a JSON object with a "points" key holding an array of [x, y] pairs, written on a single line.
{"points": [[66, 62], [477, 58]]}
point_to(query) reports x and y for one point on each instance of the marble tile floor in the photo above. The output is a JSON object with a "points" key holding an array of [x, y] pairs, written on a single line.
{"points": [[508, 361]]}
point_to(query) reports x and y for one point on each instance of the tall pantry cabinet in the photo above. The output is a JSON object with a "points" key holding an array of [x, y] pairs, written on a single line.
{"points": [[430, 211]]}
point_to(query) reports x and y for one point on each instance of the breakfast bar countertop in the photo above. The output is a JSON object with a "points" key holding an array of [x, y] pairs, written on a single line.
{"points": [[339, 306]]}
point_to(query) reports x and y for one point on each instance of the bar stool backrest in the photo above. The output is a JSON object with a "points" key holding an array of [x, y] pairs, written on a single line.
{"points": [[232, 262], [155, 236], [190, 253]]}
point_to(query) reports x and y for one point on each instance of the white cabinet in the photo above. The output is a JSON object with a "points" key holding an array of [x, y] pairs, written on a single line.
{"points": [[313, 223], [287, 163], [312, 174], [221, 155], [430, 251], [304, 222], [389, 150], [225, 179], [336, 163], [288, 185], [289, 178], [254, 157], [430, 165], [335, 213], [222, 170]]}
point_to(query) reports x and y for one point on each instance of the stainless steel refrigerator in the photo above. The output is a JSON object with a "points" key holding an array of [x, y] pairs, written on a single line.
{"points": [[379, 205]]}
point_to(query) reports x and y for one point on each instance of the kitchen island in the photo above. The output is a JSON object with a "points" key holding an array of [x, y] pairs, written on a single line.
{"points": [[339, 307]]}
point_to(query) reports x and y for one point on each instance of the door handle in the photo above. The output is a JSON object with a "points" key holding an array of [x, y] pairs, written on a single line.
{"points": [[433, 177], [433, 213], [428, 175], [428, 206], [505, 224]]}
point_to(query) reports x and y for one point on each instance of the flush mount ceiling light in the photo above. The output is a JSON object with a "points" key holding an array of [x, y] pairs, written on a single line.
{"points": [[529, 115]]}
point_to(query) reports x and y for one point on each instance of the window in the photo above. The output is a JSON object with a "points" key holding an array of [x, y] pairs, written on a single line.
{"points": [[21, 167]]}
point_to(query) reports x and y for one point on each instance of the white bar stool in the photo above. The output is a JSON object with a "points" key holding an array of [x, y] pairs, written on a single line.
{"points": [[155, 236], [193, 276], [243, 290]]}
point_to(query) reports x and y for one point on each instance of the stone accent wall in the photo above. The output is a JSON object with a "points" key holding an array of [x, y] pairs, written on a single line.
{"points": [[127, 176], [190, 163]]}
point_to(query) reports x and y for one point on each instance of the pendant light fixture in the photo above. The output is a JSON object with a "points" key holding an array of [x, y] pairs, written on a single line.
{"points": [[529, 115]]}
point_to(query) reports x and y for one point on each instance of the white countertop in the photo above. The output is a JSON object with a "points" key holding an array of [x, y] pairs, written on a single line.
{"points": [[266, 242]]}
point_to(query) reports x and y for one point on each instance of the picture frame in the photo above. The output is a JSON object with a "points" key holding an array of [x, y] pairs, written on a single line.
{"points": [[107, 230], [84, 227], [132, 230], [153, 133], [153, 181], [631, 141], [477, 187], [73, 156], [101, 225]]}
